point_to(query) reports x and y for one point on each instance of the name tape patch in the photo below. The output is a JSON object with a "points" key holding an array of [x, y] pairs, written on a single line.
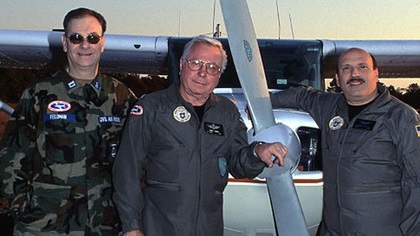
{"points": [[364, 124], [109, 119], [55, 116], [212, 128]]}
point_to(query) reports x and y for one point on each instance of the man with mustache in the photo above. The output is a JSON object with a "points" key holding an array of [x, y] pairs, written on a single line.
{"points": [[371, 151]]}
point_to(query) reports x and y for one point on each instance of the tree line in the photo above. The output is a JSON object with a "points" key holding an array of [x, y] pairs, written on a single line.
{"points": [[14, 81], [409, 95]]}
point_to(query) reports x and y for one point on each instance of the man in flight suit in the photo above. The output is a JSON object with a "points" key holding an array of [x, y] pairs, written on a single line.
{"points": [[183, 142], [370, 148]]}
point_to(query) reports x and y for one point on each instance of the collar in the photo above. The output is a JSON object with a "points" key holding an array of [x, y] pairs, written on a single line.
{"points": [[72, 85]]}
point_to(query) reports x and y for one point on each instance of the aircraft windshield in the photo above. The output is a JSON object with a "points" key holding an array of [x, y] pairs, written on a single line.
{"points": [[287, 63]]}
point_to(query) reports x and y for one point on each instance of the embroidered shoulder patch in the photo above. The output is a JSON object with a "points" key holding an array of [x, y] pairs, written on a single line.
{"points": [[136, 110], [417, 130]]}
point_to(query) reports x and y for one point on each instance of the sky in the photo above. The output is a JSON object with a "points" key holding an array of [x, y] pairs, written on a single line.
{"points": [[286, 19], [311, 19]]}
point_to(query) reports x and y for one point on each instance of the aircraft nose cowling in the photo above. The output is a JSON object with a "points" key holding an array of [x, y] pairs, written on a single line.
{"points": [[284, 134]]}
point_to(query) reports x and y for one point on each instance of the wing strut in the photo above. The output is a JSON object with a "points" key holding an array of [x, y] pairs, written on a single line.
{"points": [[285, 203]]}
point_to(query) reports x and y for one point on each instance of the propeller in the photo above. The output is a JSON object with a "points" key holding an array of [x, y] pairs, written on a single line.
{"points": [[288, 214]]}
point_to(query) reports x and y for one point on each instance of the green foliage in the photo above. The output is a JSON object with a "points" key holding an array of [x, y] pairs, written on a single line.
{"points": [[411, 96], [14, 81]]}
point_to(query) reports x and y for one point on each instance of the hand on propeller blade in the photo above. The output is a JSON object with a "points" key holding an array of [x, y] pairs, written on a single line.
{"points": [[271, 153]]}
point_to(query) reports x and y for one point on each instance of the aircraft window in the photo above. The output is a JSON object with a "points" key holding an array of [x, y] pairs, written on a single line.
{"points": [[311, 158], [287, 63]]}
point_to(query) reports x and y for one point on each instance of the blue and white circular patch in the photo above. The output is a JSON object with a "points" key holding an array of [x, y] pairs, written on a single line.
{"points": [[336, 123], [59, 106], [181, 114], [136, 110]]}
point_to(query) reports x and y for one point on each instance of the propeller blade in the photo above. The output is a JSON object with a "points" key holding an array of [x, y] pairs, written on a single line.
{"points": [[281, 188], [288, 213], [246, 54], [285, 203]]}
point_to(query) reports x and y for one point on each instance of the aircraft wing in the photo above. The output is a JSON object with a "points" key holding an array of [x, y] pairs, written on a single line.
{"points": [[31, 49], [396, 58]]}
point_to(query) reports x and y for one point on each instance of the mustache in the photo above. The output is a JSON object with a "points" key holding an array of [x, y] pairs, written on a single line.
{"points": [[357, 78]]}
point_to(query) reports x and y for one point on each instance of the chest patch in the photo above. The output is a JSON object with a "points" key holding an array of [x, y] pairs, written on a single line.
{"points": [[212, 128], [59, 106], [336, 123], [364, 124], [181, 114]]}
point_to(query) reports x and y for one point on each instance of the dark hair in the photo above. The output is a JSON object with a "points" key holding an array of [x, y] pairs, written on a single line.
{"points": [[80, 13]]}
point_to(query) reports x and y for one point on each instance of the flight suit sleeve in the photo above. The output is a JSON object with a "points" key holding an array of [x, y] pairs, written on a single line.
{"points": [[18, 147], [127, 170], [243, 162], [315, 102], [409, 156]]}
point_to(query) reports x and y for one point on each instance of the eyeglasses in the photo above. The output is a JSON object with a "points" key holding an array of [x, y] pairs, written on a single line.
{"points": [[92, 38], [211, 68]]}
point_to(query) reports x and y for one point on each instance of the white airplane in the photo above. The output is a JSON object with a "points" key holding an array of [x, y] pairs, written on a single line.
{"points": [[249, 209]]}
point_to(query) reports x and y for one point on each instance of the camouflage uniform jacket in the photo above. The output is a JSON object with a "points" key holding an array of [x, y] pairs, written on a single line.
{"points": [[59, 147]]}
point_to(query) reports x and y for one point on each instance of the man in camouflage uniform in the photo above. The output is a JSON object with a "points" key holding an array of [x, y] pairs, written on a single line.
{"points": [[60, 143]]}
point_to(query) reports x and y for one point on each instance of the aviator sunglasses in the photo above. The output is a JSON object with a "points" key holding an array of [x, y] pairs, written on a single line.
{"points": [[92, 38]]}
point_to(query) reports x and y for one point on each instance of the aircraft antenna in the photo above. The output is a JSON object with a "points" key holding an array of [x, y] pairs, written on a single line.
{"points": [[278, 16], [217, 32], [179, 23], [291, 26], [214, 14]]}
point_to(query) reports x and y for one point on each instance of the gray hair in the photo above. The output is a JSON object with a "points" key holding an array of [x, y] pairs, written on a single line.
{"points": [[208, 41]]}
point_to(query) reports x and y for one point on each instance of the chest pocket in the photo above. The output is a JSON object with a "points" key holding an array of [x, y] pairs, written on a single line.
{"points": [[375, 146], [59, 138]]}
